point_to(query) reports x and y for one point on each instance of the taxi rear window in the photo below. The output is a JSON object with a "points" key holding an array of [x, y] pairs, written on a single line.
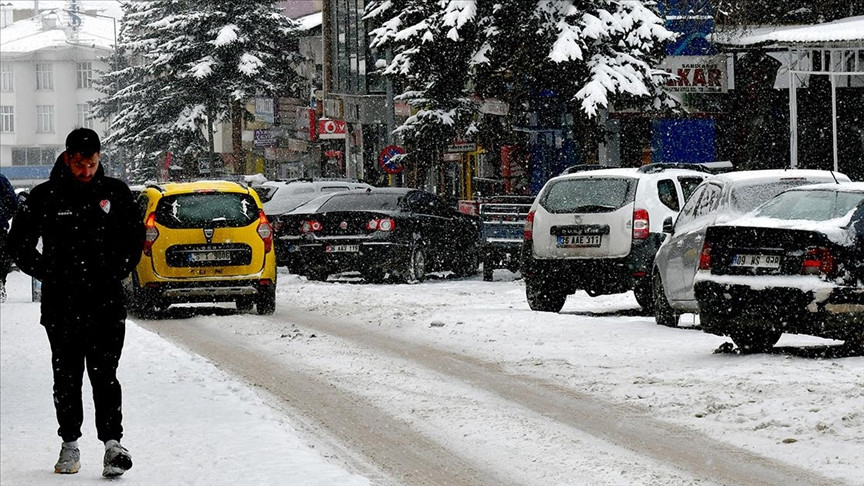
{"points": [[207, 210]]}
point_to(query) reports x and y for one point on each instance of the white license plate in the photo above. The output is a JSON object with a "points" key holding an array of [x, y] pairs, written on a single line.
{"points": [[579, 241], [755, 261], [342, 248], [209, 256]]}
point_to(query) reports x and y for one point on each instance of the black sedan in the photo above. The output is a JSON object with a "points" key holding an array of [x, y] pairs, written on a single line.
{"points": [[397, 232], [795, 265]]}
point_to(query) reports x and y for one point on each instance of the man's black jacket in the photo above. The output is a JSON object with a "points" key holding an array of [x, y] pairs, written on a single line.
{"points": [[92, 236]]}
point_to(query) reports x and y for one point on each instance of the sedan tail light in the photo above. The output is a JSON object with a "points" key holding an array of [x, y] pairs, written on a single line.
{"points": [[151, 233], [310, 226], [705, 257], [384, 224], [816, 261], [528, 232], [641, 224], [265, 231]]}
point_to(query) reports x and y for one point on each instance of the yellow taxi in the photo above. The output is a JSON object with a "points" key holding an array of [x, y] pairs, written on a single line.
{"points": [[206, 241]]}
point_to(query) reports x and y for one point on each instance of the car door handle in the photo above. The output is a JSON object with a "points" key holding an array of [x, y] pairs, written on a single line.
{"points": [[698, 238]]}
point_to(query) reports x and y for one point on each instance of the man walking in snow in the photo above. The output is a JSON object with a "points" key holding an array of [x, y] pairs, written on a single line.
{"points": [[8, 206], [91, 239]]}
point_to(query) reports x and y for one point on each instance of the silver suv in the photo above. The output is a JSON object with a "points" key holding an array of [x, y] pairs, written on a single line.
{"points": [[598, 231]]}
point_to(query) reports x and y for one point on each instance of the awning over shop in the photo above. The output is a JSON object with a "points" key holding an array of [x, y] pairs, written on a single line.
{"points": [[834, 49], [848, 31]]}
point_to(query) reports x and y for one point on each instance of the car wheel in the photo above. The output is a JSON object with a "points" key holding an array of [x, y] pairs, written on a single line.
{"points": [[244, 304], [643, 291], [664, 314], [266, 303], [542, 297], [415, 267], [755, 339]]}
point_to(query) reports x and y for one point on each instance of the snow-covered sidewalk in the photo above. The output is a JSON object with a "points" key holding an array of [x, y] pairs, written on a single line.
{"points": [[186, 422]]}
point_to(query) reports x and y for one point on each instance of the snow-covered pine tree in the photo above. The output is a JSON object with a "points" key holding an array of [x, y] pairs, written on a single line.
{"points": [[432, 43], [588, 53], [193, 62]]}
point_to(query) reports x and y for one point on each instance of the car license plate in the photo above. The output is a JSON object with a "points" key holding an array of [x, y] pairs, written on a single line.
{"points": [[755, 261], [342, 248], [579, 241], [209, 256]]}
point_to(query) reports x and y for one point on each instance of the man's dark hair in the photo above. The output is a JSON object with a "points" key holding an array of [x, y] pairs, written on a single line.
{"points": [[83, 141]]}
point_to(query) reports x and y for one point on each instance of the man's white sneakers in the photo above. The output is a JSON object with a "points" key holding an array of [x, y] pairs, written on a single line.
{"points": [[70, 459]]}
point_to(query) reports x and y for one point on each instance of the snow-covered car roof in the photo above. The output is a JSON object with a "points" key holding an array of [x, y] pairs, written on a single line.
{"points": [[773, 174], [833, 186], [631, 172]]}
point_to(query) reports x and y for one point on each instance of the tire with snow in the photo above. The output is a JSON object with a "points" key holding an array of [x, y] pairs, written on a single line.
{"points": [[543, 297], [266, 301], [643, 291], [140, 302], [415, 266], [664, 314]]}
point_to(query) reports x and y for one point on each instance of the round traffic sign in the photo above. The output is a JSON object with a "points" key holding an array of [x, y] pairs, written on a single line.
{"points": [[386, 156]]}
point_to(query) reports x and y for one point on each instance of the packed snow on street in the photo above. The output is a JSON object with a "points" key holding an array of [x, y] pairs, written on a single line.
{"points": [[462, 366]]}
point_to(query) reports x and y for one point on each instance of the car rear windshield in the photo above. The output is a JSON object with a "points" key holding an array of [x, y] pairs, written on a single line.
{"points": [[588, 195], [819, 205], [747, 197], [363, 201], [207, 210]]}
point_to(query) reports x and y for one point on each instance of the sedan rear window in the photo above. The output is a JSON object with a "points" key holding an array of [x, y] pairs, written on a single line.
{"points": [[588, 195], [747, 197], [362, 201], [207, 210], [819, 205]]}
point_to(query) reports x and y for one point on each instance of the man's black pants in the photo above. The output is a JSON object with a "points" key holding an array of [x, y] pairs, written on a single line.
{"points": [[96, 344]]}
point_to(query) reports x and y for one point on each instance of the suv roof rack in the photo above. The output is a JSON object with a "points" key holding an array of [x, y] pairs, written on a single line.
{"points": [[711, 167], [154, 185], [583, 167]]}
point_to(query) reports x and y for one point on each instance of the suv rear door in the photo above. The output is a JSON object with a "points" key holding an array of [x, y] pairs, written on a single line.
{"points": [[585, 217], [207, 233]]}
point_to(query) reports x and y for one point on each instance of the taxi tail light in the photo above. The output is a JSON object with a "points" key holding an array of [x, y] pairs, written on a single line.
{"points": [[150, 233], [705, 257], [265, 231], [528, 232], [817, 260], [310, 226], [385, 224], [641, 224]]}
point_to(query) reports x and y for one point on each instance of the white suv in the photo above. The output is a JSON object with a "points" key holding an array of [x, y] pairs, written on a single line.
{"points": [[598, 231]]}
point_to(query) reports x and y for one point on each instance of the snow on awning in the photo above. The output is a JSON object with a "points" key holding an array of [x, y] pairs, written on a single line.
{"points": [[848, 31]]}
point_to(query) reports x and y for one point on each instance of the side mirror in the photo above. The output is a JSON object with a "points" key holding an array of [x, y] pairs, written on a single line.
{"points": [[668, 223]]}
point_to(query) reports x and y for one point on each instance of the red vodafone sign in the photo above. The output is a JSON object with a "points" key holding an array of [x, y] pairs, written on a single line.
{"points": [[328, 128]]}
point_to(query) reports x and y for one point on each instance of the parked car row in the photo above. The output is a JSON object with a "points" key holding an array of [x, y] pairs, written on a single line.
{"points": [[755, 253]]}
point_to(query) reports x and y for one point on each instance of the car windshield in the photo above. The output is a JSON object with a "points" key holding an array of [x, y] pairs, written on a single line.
{"points": [[363, 201], [747, 197], [207, 210], [588, 195], [817, 205]]}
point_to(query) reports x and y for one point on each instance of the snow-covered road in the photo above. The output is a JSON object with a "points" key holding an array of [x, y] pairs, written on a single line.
{"points": [[462, 366]]}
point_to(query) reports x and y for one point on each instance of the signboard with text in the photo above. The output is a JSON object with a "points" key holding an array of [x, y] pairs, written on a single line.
{"points": [[696, 74], [329, 128]]}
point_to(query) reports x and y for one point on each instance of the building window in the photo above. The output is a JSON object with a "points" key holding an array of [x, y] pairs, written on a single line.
{"points": [[6, 78], [44, 118], [44, 77], [33, 156], [7, 119], [85, 74], [85, 116]]}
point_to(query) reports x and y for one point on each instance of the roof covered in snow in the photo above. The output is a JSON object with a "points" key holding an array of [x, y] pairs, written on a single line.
{"points": [[52, 29], [311, 21], [846, 31]]}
